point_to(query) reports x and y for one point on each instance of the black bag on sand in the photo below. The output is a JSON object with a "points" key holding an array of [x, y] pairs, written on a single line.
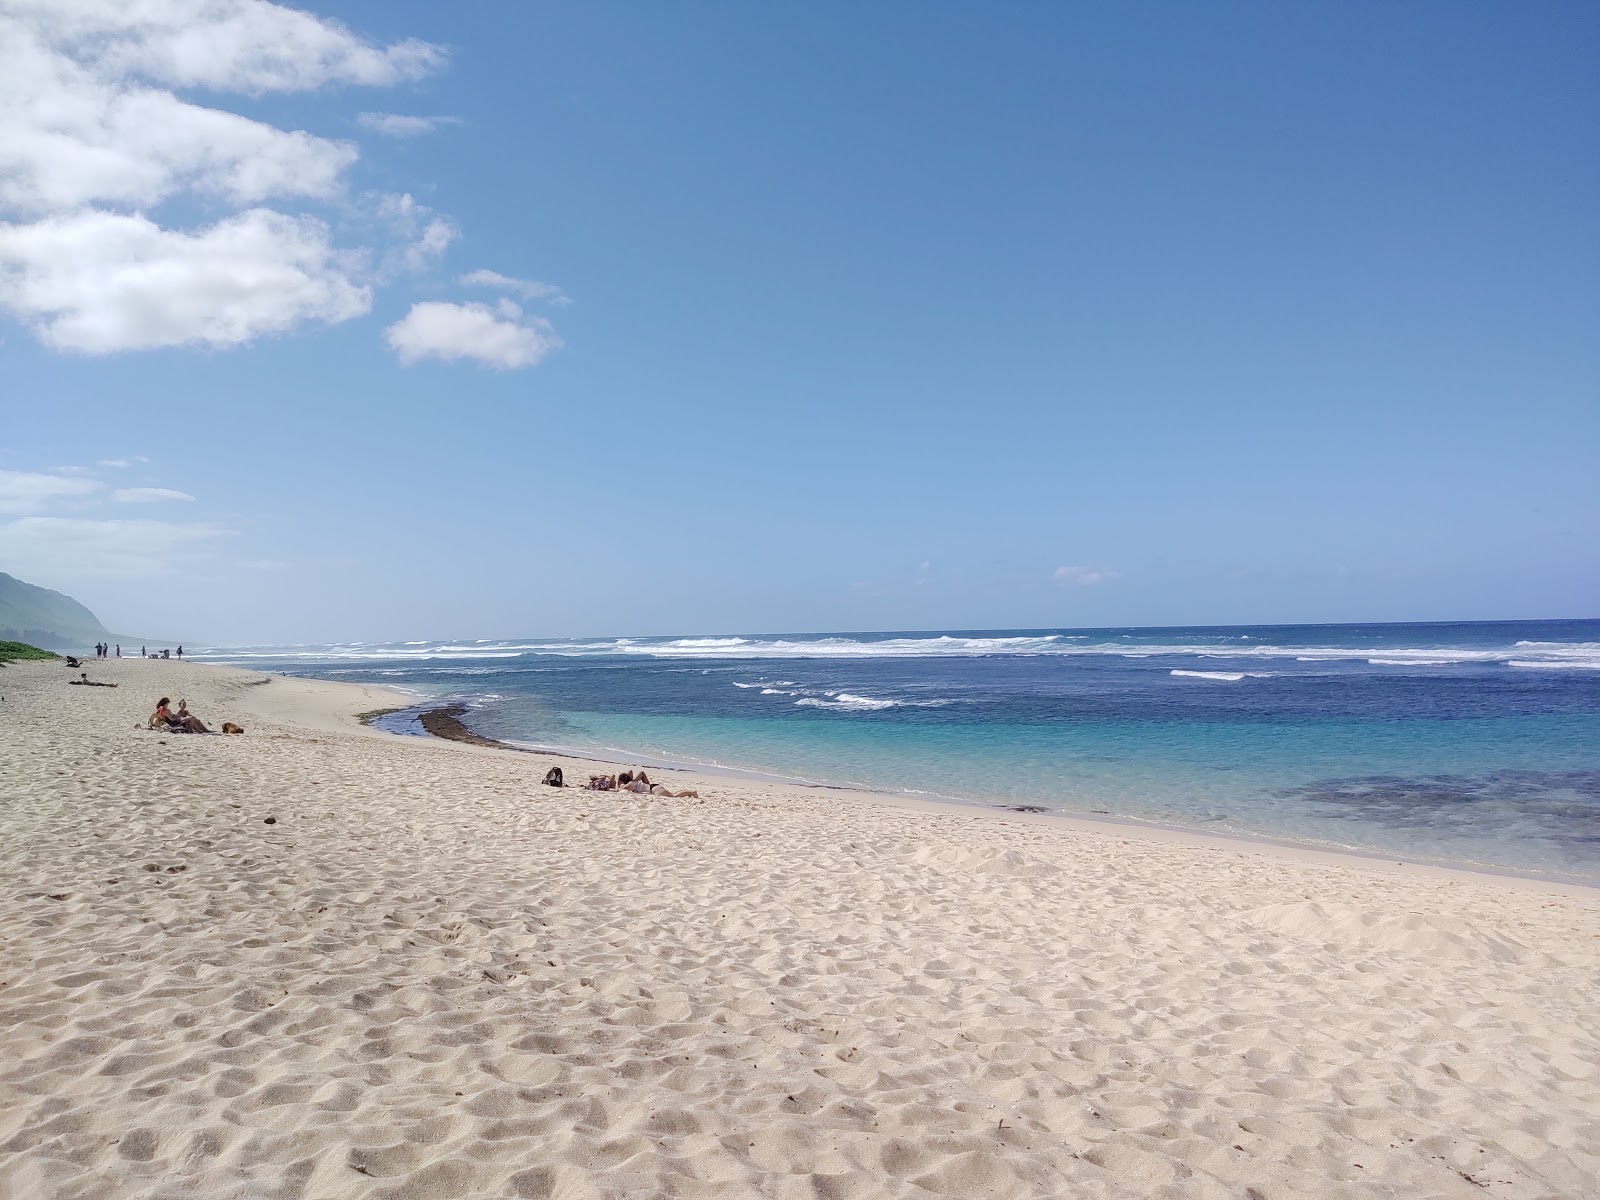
{"points": [[553, 777]]}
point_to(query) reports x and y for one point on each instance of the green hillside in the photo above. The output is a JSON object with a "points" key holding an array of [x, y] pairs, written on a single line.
{"points": [[44, 618]]}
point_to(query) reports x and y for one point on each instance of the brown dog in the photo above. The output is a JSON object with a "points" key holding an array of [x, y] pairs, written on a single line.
{"points": [[230, 727]]}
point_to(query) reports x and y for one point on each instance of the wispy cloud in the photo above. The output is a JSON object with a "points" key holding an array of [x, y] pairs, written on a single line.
{"points": [[265, 564], [120, 463], [528, 289], [1082, 576], [24, 492], [148, 495], [69, 547], [401, 126]]}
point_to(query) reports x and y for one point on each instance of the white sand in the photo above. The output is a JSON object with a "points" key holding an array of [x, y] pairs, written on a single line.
{"points": [[432, 977]]}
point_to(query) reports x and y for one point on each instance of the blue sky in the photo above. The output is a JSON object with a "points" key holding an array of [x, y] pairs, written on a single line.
{"points": [[729, 317]]}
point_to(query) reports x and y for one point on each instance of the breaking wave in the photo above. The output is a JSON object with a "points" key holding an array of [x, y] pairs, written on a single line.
{"points": [[1553, 655], [846, 700]]}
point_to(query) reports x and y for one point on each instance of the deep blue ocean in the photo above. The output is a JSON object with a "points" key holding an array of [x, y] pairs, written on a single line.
{"points": [[1474, 743]]}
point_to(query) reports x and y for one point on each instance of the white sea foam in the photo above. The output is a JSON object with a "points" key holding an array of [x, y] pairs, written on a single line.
{"points": [[1574, 654], [1223, 676], [747, 685], [776, 692], [1554, 666], [846, 700]]}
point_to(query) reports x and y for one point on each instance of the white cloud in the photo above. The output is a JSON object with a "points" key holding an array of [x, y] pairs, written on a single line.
{"points": [[122, 462], [433, 241], [94, 134], [528, 289], [422, 235], [30, 491], [499, 337], [147, 495], [99, 282], [66, 547], [400, 126], [71, 138], [231, 45], [1082, 576]]}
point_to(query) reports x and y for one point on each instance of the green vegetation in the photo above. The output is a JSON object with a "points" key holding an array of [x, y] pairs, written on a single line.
{"points": [[367, 718], [36, 615], [18, 651]]}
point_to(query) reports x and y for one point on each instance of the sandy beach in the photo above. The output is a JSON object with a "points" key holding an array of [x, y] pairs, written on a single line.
{"points": [[322, 961]]}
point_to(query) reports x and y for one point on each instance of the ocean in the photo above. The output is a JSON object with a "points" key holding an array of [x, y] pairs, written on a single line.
{"points": [[1471, 743]]}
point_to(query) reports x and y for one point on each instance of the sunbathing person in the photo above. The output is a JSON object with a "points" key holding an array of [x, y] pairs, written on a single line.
{"points": [[602, 783], [177, 722], [83, 680], [644, 787], [189, 721]]}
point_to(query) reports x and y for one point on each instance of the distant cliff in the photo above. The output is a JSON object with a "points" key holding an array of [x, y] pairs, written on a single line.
{"points": [[41, 617]]}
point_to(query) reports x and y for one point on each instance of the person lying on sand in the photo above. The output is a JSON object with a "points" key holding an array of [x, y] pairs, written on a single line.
{"points": [[643, 787], [602, 783], [181, 721], [83, 680]]}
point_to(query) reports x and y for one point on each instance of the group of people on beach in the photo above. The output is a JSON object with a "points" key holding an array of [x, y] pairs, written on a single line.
{"points": [[182, 721], [106, 650], [636, 782]]}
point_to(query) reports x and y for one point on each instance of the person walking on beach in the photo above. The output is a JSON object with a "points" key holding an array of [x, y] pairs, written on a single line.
{"points": [[119, 649], [180, 651]]}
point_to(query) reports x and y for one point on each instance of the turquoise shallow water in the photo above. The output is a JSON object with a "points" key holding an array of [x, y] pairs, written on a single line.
{"points": [[1476, 744], [1475, 792]]}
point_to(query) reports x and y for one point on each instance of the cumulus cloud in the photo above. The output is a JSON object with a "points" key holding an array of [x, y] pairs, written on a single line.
{"points": [[1082, 576], [148, 495], [501, 337], [400, 126], [99, 282], [528, 289], [72, 138], [56, 547], [247, 46], [95, 136], [31, 491]]}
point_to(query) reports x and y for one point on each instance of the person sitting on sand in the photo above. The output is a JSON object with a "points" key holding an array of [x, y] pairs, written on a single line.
{"points": [[190, 722], [181, 721], [83, 680]]}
